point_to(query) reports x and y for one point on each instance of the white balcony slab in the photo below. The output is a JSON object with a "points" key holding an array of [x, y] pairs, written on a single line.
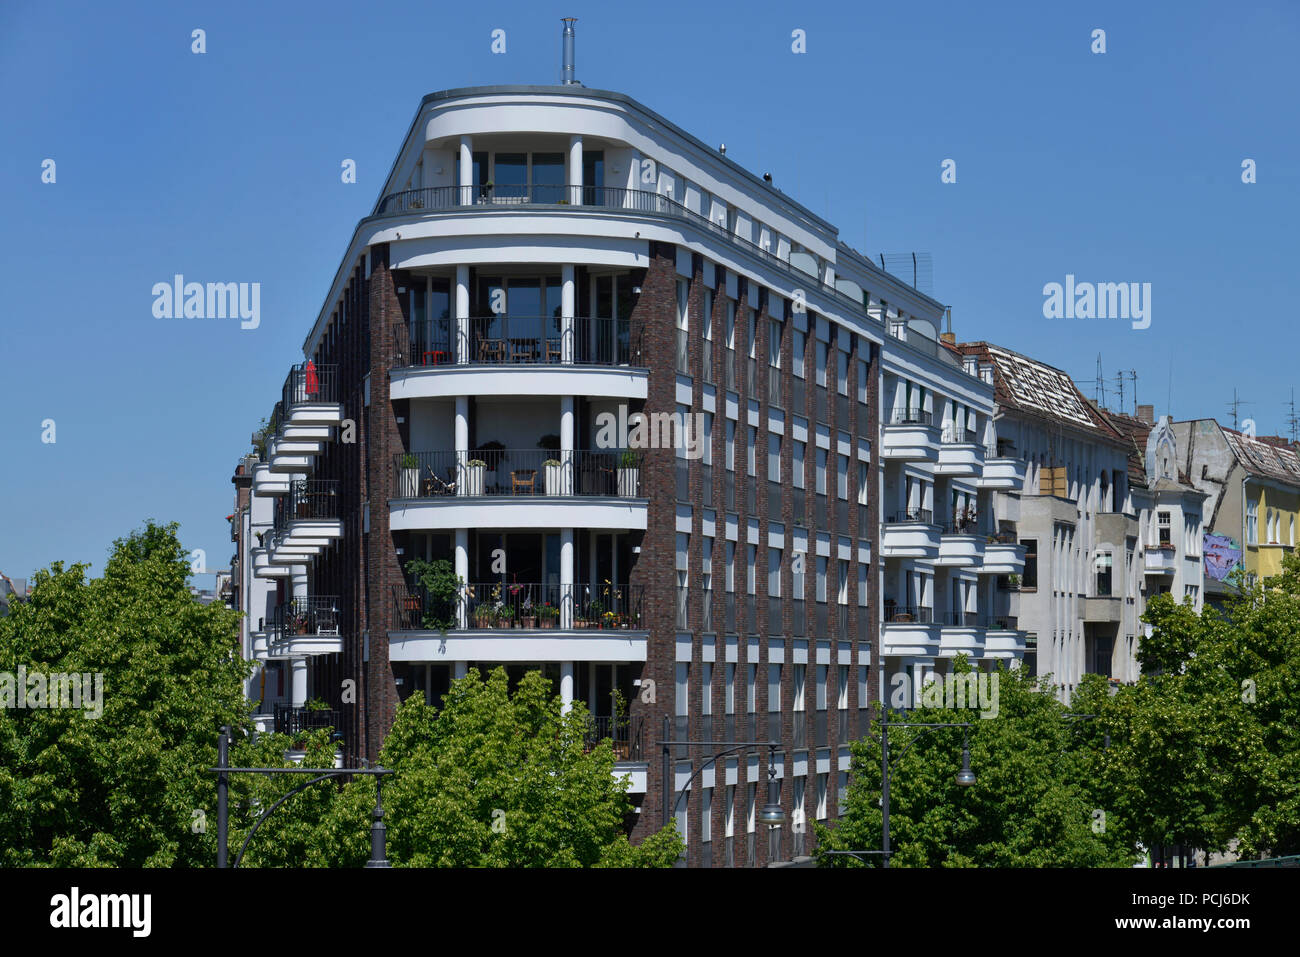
{"points": [[1160, 562], [912, 639], [635, 772], [1007, 475], [1004, 643], [960, 551], [960, 459], [517, 511], [306, 646], [550, 644], [315, 413], [910, 443], [449, 381], [909, 540], [307, 433], [961, 640], [266, 482], [1003, 559]]}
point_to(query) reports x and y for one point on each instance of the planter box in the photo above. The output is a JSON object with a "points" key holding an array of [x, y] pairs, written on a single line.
{"points": [[554, 477], [474, 478], [410, 483], [528, 621]]}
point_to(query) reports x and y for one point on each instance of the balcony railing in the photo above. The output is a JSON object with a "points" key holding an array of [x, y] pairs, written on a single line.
{"points": [[626, 735], [308, 382], [906, 416], [962, 527], [511, 605], [309, 615], [952, 435], [912, 516], [957, 619], [609, 473], [1000, 622], [519, 340], [907, 614], [294, 721], [308, 499]]}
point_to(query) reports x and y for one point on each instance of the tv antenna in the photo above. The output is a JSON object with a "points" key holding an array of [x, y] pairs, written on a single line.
{"points": [[1234, 405]]}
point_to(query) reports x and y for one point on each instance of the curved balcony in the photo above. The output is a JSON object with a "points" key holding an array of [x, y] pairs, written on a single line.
{"points": [[519, 488], [305, 626], [910, 534], [306, 521], [1003, 555], [1002, 474], [961, 545], [1003, 637], [910, 435], [266, 482], [263, 567], [1160, 559], [518, 355], [960, 633], [959, 453], [310, 396], [909, 631]]}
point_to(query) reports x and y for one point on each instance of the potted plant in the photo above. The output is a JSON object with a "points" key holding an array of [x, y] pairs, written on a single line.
{"points": [[442, 587], [547, 615], [506, 617], [594, 611], [527, 614], [609, 620], [629, 463], [409, 484], [316, 704], [1013, 582], [475, 470], [618, 707]]}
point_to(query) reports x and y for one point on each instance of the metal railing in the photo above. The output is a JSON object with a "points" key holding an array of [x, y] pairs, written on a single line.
{"points": [[612, 473], [907, 614], [308, 382], [958, 619], [963, 527], [310, 615], [519, 340], [308, 499], [293, 721], [1000, 622], [906, 416], [626, 735], [912, 516], [520, 605], [956, 436]]}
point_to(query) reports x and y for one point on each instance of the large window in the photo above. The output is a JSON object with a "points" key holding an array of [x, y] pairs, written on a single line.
{"points": [[1102, 568], [1252, 522], [1030, 578]]}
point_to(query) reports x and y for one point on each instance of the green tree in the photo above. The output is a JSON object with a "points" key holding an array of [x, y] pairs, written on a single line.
{"points": [[120, 790], [1031, 805], [493, 779]]}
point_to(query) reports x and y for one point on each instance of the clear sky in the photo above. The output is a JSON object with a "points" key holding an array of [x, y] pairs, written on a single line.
{"points": [[1123, 166]]}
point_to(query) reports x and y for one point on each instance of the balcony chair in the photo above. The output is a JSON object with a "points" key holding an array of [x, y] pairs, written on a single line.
{"points": [[554, 353], [492, 350], [434, 484], [523, 482]]}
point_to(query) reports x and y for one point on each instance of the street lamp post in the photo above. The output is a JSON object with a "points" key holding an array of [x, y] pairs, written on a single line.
{"points": [[965, 777], [771, 814]]}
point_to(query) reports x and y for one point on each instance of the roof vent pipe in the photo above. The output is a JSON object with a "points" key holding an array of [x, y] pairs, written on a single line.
{"points": [[567, 73]]}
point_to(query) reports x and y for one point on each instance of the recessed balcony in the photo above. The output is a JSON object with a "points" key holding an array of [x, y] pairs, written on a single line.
{"points": [[910, 435], [517, 606], [1161, 559], [910, 534], [959, 453]]}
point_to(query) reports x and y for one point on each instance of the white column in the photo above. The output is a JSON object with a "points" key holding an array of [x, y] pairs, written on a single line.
{"points": [[462, 314], [459, 669], [566, 686], [568, 300], [298, 687], [566, 578], [575, 170], [462, 572], [568, 461], [462, 444], [919, 676], [466, 169]]}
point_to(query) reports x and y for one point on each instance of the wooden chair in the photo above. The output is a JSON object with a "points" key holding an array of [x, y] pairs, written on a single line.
{"points": [[491, 350], [434, 485], [523, 482], [553, 351]]}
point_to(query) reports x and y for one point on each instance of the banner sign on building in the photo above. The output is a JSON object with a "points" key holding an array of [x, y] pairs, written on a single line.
{"points": [[1222, 556]]}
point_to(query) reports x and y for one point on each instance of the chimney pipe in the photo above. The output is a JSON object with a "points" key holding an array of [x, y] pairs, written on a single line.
{"points": [[567, 77], [947, 335]]}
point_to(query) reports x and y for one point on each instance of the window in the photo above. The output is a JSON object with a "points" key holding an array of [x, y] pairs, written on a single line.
{"points": [[842, 371], [773, 687], [821, 797], [1252, 522], [821, 687], [862, 685], [796, 361], [751, 555], [706, 816], [773, 457], [862, 382], [864, 483], [1029, 579], [843, 595], [821, 577], [731, 567], [842, 698], [751, 689], [821, 362], [1102, 567], [774, 572], [706, 440], [753, 332], [731, 445], [862, 585], [752, 440], [730, 691], [774, 344], [707, 318], [797, 464], [821, 471], [731, 325], [707, 567], [797, 687], [842, 476]]}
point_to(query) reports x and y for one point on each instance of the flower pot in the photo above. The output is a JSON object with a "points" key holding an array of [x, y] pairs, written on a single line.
{"points": [[553, 479], [410, 483], [627, 483], [547, 622], [528, 621], [474, 479]]}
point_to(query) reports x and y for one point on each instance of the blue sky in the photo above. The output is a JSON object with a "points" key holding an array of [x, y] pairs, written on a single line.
{"points": [[1115, 167]]}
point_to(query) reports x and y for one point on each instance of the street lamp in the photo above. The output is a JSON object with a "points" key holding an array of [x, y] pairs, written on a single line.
{"points": [[965, 777], [772, 814]]}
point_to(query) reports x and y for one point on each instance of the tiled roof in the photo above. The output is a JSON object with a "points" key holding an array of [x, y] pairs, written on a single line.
{"points": [[1263, 459], [1035, 387], [1135, 432]]}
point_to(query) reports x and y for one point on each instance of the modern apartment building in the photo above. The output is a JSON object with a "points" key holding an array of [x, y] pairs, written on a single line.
{"points": [[1252, 499], [631, 393]]}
